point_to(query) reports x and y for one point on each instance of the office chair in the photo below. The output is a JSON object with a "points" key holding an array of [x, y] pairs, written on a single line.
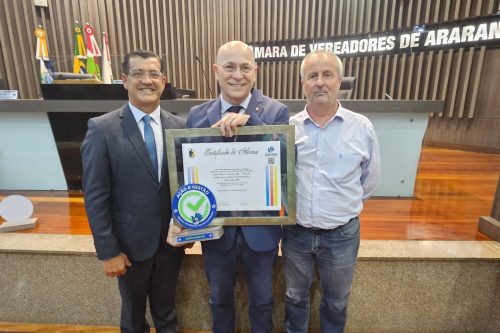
{"points": [[347, 88]]}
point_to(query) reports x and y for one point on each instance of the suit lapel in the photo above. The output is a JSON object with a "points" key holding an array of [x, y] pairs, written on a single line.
{"points": [[134, 135], [164, 164], [213, 112], [255, 106]]}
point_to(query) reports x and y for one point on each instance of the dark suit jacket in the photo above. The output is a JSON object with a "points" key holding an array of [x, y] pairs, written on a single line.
{"points": [[127, 207], [262, 111]]}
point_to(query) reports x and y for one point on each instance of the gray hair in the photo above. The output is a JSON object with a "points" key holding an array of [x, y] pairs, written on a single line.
{"points": [[340, 66]]}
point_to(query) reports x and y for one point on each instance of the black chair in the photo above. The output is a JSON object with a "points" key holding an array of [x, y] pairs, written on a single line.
{"points": [[3, 85], [347, 88]]}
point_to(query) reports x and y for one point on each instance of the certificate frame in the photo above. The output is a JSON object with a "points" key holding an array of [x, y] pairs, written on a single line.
{"points": [[174, 138]]}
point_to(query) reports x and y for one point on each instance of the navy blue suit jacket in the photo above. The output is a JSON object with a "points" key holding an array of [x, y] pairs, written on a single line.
{"points": [[262, 111], [128, 208]]}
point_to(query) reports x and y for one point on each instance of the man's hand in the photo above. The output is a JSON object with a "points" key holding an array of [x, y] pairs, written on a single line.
{"points": [[116, 266], [229, 123], [173, 230]]}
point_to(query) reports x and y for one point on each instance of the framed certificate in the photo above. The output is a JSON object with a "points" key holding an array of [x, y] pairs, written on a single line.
{"points": [[252, 175]]}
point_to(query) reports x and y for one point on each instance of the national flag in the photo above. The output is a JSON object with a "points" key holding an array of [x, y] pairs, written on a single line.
{"points": [[107, 73], [42, 54], [42, 50], [79, 51], [45, 76], [93, 52]]}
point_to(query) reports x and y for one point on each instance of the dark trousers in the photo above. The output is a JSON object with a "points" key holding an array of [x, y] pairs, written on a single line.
{"points": [[221, 268], [156, 279]]}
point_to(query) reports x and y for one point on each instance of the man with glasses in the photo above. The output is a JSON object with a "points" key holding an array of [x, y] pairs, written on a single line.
{"points": [[255, 247], [127, 196]]}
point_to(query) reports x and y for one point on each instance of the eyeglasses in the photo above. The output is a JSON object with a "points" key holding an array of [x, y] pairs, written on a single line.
{"points": [[140, 75], [232, 68]]}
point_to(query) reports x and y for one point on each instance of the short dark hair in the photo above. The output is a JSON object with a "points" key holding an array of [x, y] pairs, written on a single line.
{"points": [[145, 54]]}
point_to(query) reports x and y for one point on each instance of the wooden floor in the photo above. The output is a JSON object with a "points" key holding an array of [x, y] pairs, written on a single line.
{"points": [[453, 188], [54, 328]]}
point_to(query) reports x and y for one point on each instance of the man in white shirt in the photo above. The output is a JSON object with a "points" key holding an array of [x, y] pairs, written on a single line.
{"points": [[338, 167]]}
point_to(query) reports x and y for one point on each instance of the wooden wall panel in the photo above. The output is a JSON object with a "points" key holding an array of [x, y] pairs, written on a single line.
{"points": [[183, 30], [479, 132]]}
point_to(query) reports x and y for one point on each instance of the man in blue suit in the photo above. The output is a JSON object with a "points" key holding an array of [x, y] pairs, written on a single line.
{"points": [[256, 247], [127, 196]]}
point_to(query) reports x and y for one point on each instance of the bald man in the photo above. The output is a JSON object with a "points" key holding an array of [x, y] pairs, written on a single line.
{"points": [[254, 247]]}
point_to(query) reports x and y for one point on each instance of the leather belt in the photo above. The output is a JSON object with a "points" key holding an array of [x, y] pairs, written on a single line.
{"points": [[319, 231]]}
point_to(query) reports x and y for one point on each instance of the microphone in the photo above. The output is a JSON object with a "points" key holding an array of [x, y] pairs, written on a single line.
{"points": [[205, 75]]}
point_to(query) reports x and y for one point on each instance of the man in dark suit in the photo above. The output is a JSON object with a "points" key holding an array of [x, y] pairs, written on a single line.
{"points": [[127, 196], [256, 247]]}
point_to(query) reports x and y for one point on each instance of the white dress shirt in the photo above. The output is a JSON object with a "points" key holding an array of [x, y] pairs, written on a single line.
{"points": [[226, 105], [156, 126]]}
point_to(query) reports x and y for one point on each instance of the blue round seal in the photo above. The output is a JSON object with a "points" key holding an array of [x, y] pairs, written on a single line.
{"points": [[194, 206]]}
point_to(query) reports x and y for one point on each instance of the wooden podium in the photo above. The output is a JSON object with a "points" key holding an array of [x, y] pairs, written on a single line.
{"points": [[490, 225]]}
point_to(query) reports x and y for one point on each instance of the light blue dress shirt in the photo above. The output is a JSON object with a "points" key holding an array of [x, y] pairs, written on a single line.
{"points": [[337, 168], [226, 105], [156, 126]]}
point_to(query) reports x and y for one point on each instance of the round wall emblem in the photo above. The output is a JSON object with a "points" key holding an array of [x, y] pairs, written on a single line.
{"points": [[194, 206]]}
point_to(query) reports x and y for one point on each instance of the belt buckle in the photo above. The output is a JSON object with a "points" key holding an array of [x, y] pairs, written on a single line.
{"points": [[321, 231]]}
